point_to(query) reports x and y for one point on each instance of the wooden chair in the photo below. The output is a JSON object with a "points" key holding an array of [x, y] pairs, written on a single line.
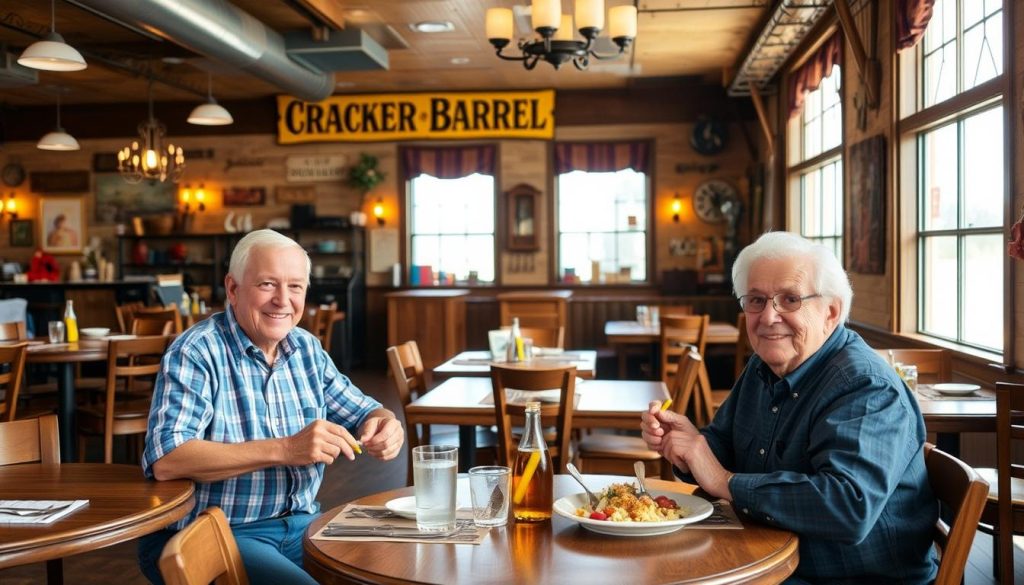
{"points": [[127, 360], [406, 368], [148, 327], [13, 331], [1005, 503], [963, 493], [933, 365], [34, 440], [532, 380], [615, 454], [677, 334], [323, 326], [12, 368], [126, 314], [203, 552], [160, 315], [743, 348], [543, 336]]}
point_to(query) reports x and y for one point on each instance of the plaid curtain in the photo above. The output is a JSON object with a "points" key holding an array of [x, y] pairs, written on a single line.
{"points": [[446, 162], [602, 157]]}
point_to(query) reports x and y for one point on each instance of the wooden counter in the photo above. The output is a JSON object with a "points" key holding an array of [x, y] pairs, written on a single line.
{"points": [[435, 319]]}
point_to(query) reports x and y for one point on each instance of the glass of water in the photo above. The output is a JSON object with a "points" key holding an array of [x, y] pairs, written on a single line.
{"points": [[56, 331], [434, 480], [488, 486]]}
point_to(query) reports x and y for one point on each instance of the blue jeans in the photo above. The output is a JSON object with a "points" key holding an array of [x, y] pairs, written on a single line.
{"points": [[271, 550]]}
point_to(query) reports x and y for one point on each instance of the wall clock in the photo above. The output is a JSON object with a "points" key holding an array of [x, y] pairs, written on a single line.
{"points": [[13, 174], [709, 197], [708, 136]]}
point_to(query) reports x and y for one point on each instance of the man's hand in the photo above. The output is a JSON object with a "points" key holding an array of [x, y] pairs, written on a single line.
{"points": [[382, 436], [655, 423], [320, 442], [690, 452]]}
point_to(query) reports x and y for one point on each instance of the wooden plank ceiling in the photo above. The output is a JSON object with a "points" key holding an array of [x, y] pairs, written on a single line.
{"points": [[676, 38]]}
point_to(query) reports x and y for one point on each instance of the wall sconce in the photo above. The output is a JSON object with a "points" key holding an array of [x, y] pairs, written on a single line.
{"points": [[10, 207], [378, 211], [200, 197], [677, 206], [186, 198]]}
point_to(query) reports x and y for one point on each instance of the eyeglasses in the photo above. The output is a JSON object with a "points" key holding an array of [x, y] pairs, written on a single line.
{"points": [[783, 302]]}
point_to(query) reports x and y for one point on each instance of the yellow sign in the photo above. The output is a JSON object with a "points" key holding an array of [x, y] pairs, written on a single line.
{"points": [[417, 116]]}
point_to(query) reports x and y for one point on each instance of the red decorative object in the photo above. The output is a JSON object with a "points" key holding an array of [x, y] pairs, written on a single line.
{"points": [[140, 253], [43, 268], [1015, 247], [177, 252]]}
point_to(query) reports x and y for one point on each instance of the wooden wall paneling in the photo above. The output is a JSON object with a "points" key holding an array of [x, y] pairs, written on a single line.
{"points": [[435, 319]]}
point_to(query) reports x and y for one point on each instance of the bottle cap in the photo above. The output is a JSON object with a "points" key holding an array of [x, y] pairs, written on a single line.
{"points": [[533, 405]]}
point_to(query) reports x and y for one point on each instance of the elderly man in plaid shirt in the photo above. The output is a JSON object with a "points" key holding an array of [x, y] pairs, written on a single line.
{"points": [[819, 435], [251, 408]]}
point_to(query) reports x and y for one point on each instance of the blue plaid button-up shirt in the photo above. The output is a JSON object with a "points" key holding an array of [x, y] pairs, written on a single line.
{"points": [[833, 452], [215, 385]]}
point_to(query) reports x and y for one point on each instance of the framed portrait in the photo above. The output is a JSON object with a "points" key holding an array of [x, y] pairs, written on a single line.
{"points": [[61, 224], [244, 196], [21, 233]]}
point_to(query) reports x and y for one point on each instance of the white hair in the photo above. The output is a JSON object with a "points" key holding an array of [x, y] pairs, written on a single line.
{"points": [[830, 280], [260, 239]]}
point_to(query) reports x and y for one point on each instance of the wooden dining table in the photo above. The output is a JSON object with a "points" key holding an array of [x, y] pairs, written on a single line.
{"points": [[65, 356], [468, 402], [122, 505], [947, 417], [559, 551], [478, 363], [622, 334]]}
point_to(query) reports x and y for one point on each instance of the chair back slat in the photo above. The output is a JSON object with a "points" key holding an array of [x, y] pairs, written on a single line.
{"points": [[203, 552], [963, 492], [1009, 426], [933, 365], [12, 366], [677, 334], [530, 379], [13, 331], [33, 440]]}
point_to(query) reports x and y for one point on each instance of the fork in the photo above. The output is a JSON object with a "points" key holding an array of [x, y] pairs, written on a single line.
{"points": [[26, 512], [391, 531], [641, 474]]}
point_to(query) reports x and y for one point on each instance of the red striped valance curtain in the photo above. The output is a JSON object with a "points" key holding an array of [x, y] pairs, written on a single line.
{"points": [[912, 18], [446, 162], [818, 67], [602, 157]]}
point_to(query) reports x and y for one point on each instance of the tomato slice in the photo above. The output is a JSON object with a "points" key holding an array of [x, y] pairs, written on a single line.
{"points": [[598, 516]]}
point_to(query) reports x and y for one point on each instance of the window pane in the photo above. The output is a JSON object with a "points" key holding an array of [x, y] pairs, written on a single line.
{"points": [[940, 296], [939, 165], [452, 225], [940, 74], [983, 291], [983, 169], [602, 217], [983, 51], [822, 205]]}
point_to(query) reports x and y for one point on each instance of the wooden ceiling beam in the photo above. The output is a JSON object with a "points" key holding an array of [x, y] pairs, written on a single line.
{"points": [[867, 66], [329, 12]]}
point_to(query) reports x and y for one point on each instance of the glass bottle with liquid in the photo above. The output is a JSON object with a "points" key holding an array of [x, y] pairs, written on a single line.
{"points": [[514, 349], [70, 322], [533, 472]]}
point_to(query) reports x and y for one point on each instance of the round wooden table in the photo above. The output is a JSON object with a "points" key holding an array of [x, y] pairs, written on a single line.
{"points": [[66, 355], [122, 505], [560, 552]]}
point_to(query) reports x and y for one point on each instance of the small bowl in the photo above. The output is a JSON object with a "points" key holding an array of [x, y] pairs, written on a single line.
{"points": [[95, 331]]}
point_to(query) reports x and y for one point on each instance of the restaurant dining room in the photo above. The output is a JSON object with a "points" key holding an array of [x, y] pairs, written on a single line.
{"points": [[511, 291]]}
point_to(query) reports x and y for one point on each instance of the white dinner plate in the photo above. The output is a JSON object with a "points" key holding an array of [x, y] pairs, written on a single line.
{"points": [[95, 331], [699, 509], [404, 507], [956, 389]]}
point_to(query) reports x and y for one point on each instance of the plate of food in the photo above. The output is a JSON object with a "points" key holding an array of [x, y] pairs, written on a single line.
{"points": [[956, 389], [404, 507], [95, 331], [621, 513]]}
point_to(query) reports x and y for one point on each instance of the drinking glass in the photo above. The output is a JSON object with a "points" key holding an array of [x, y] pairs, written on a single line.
{"points": [[643, 316], [909, 374], [488, 486], [434, 481], [56, 331]]}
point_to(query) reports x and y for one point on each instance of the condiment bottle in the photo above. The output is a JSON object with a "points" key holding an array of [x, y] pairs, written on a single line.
{"points": [[533, 472], [70, 322], [514, 349]]}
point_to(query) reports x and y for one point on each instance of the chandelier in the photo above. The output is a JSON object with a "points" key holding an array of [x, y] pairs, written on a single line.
{"points": [[148, 157], [556, 44]]}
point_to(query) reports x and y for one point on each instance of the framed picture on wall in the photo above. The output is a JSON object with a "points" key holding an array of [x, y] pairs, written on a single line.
{"points": [[61, 224], [244, 196], [21, 233]]}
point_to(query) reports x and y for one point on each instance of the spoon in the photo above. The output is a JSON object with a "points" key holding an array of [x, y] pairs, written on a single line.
{"points": [[575, 473], [641, 474]]}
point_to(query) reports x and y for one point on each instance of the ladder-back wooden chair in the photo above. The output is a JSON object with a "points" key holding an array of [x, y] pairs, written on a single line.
{"points": [[126, 314], [159, 315], [203, 552], [963, 493], [678, 333], [12, 369], [1003, 514], [509, 414]]}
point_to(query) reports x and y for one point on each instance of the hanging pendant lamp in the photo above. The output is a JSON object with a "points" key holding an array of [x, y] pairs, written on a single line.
{"points": [[211, 113], [52, 53], [58, 139]]}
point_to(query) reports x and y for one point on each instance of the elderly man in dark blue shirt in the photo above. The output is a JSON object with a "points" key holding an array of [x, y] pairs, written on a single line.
{"points": [[819, 434]]}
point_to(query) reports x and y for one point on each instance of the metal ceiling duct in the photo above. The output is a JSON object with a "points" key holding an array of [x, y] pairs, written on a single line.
{"points": [[219, 30]]}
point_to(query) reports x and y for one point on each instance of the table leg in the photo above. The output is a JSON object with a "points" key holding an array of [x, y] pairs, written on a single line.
{"points": [[948, 442], [467, 447], [66, 412], [55, 572], [620, 352]]}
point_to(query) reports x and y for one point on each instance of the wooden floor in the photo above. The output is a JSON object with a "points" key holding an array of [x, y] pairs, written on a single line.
{"points": [[345, 481]]}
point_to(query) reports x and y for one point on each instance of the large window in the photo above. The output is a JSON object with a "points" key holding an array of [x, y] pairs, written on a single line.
{"points": [[452, 226], [817, 164], [959, 193], [602, 222]]}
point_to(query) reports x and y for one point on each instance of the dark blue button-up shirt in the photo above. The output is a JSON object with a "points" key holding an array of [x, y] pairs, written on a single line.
{"points": [[833, 452]]}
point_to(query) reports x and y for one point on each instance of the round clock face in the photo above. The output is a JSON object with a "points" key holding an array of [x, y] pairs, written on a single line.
{"points": [[12, 175], [708, 136], [709, 197]]}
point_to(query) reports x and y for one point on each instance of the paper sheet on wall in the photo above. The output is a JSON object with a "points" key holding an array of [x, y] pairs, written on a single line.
{"points": [[383, 249]]}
